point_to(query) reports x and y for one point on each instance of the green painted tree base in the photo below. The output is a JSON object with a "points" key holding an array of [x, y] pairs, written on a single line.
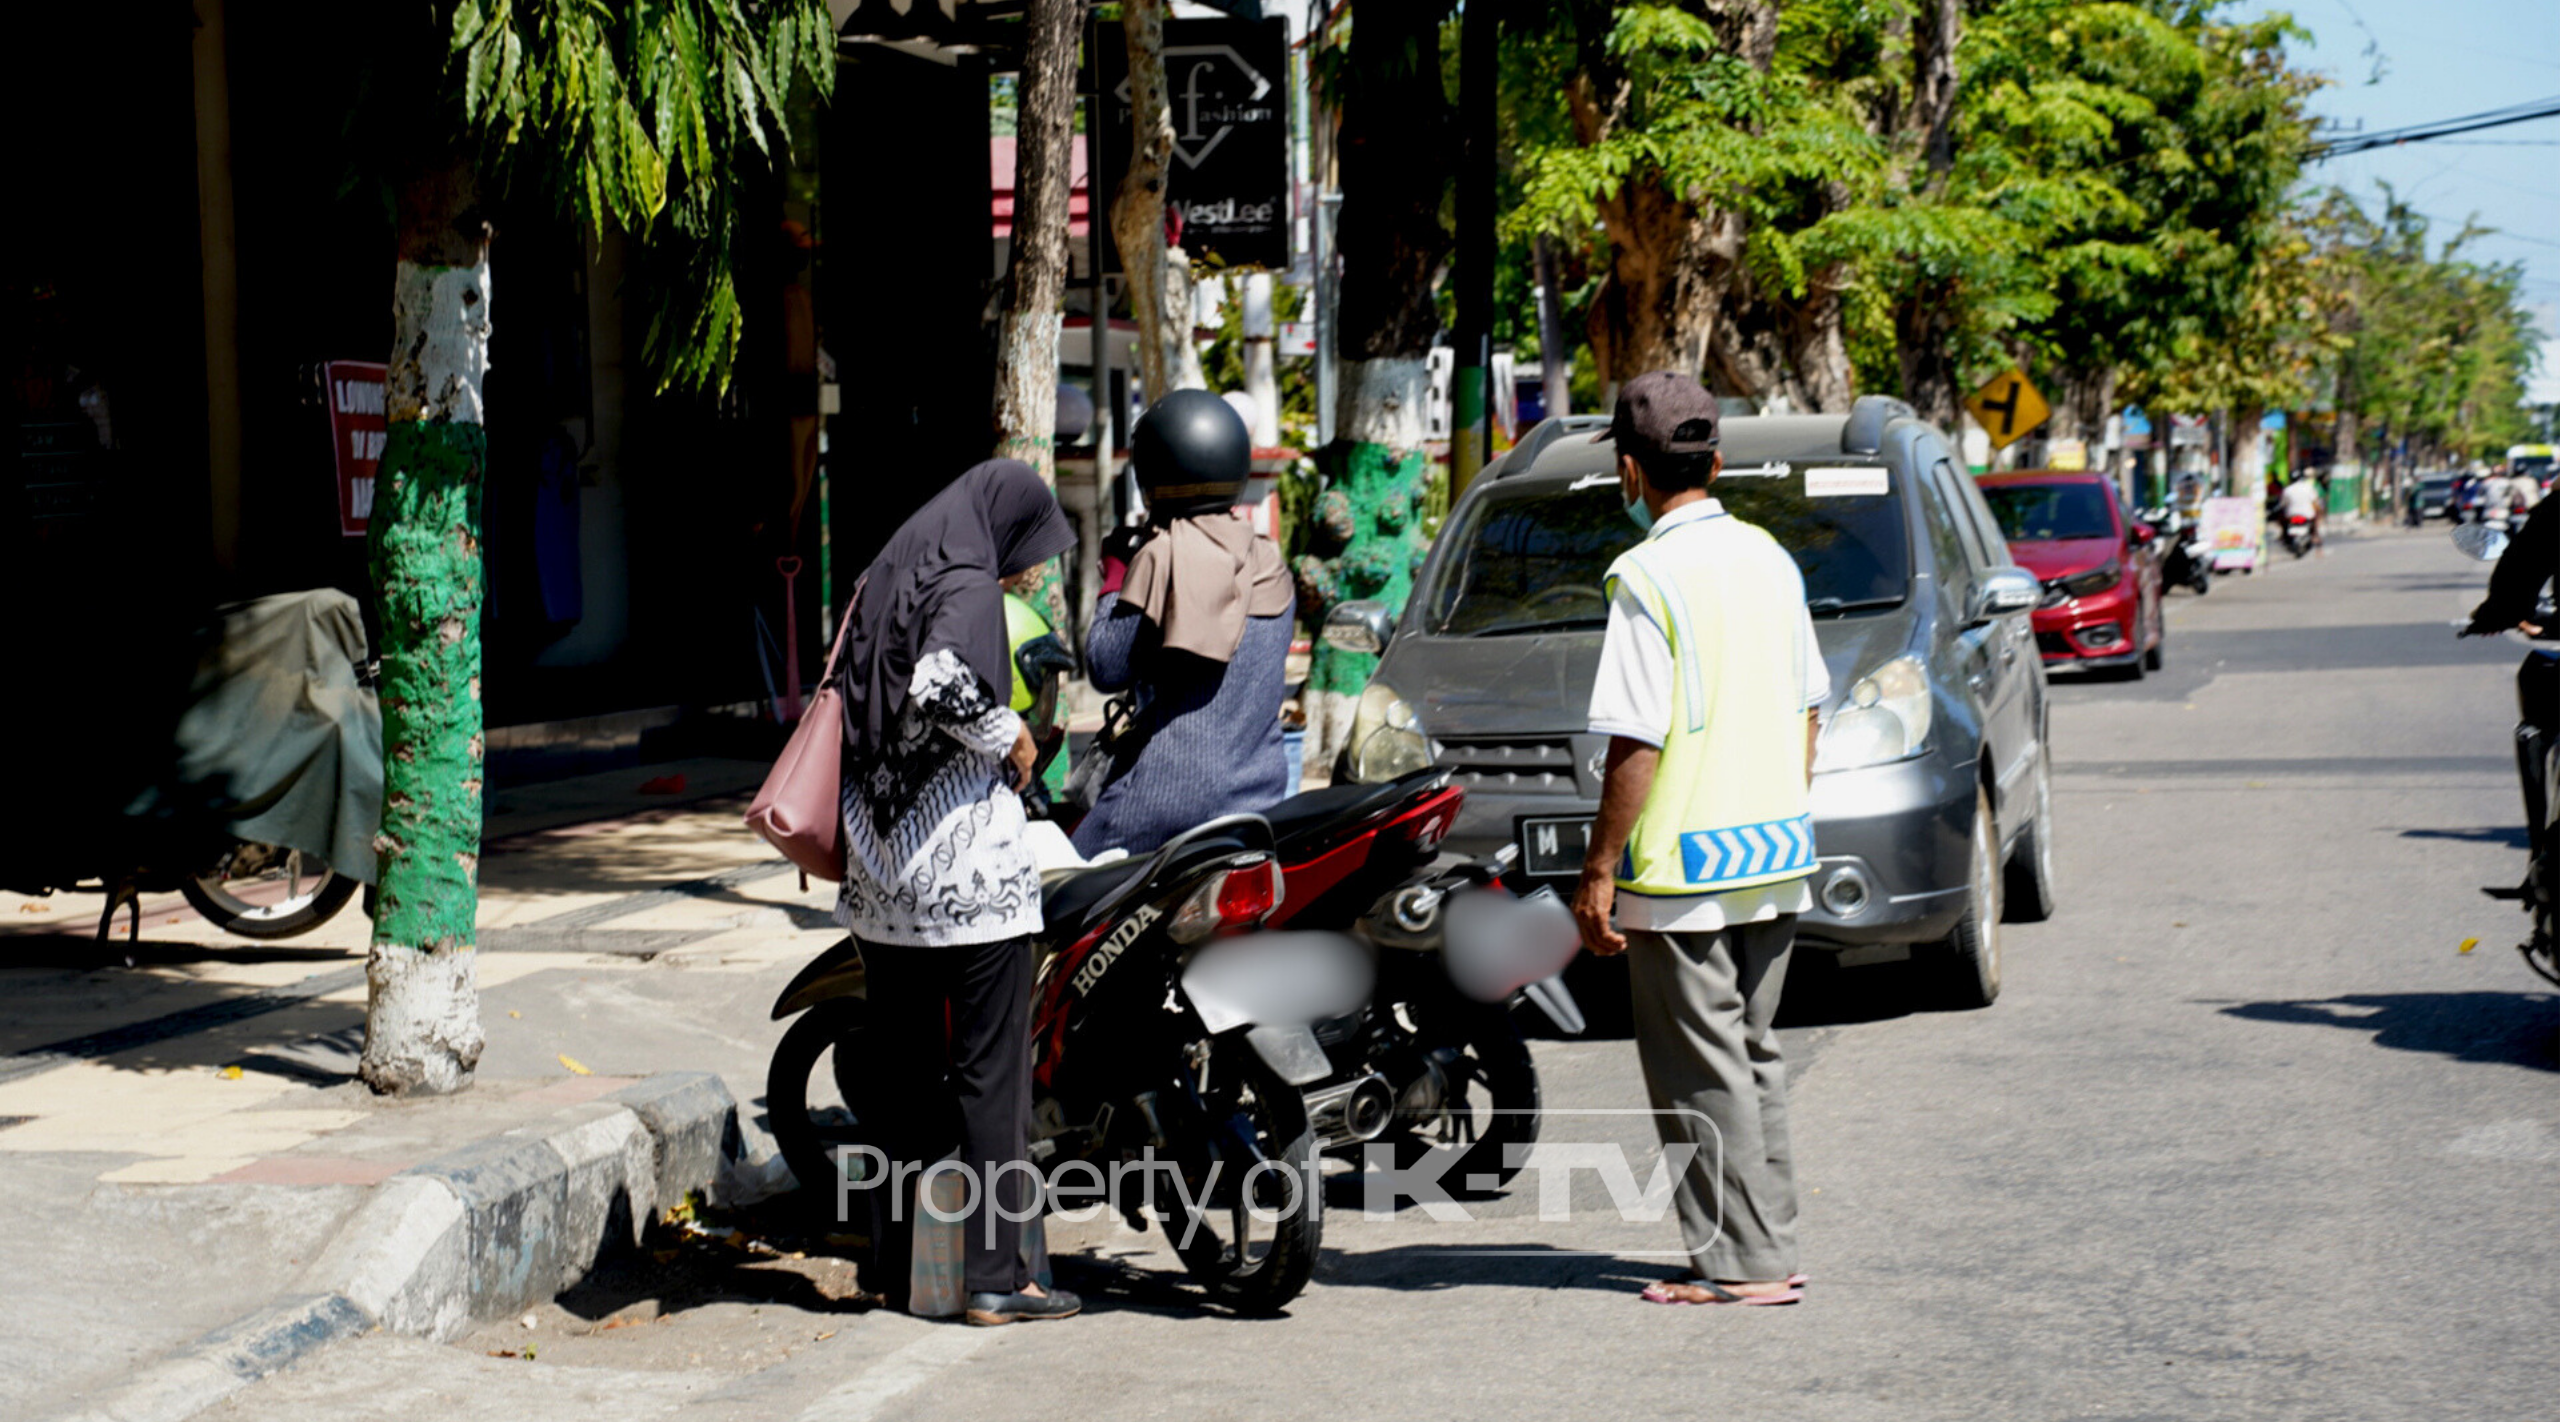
{"points": [[1367, 541], [426, 570]]}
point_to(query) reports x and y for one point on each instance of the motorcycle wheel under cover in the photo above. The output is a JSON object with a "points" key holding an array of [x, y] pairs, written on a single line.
{"points": [[258, 891]]}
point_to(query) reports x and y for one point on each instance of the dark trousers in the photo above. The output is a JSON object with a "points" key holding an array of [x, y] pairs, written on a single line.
{"points": [[953, 1033]]}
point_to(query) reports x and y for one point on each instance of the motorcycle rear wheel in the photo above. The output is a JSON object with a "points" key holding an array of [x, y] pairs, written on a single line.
{"points": [[1252, 1260], [234, 893]]}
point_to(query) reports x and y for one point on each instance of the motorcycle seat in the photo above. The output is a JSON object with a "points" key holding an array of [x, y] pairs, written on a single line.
{"points": [[1068, 900], [1302, 821]]}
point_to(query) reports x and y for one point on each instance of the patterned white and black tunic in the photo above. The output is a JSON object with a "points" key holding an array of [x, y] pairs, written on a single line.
{"points": [[935, 854]]}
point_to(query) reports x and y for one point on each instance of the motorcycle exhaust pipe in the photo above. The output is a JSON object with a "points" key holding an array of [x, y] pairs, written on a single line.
{"points": [[1351, 1113]]}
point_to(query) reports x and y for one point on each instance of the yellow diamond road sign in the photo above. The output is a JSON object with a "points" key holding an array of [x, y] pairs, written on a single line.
{"points": [[2008, 407]]}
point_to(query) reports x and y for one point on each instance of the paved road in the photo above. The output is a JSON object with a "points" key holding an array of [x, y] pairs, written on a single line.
{"points": [[2247, 1136]]}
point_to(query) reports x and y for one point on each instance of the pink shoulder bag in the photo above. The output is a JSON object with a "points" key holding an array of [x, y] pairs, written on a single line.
{"points": [[800, 810]]}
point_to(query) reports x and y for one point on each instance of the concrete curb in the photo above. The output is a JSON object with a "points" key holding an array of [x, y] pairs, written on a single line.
{"points": [[472, 1235]]}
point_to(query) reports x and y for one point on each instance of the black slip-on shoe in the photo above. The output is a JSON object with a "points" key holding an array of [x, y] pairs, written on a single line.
{"points": [[988, 1310]]}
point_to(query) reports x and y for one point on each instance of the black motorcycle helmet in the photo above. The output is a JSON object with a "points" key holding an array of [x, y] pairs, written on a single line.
{"points": [[1192, 454]]}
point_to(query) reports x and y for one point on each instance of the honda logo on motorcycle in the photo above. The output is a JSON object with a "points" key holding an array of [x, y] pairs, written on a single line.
{"points": [[1110, 949]]}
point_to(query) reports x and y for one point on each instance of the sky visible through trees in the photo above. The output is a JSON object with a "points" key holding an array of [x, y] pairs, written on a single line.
{"points": [[2399, 62]]}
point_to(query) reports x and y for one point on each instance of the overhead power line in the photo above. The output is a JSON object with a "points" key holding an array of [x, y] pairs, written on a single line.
{"points": [[2323, 149]]}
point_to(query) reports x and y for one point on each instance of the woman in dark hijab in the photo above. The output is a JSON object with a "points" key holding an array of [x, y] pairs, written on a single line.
{"points": [[939, 884]]}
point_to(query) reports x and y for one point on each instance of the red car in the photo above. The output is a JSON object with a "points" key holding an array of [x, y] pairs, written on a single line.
{"points": [[2100, 572]]}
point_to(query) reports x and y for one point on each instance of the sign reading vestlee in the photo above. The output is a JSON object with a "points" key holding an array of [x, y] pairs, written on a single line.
{"points": [[357, 429]]}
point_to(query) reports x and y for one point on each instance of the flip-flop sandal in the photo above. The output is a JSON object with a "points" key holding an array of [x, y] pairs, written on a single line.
{"points": [[1794, 1281], [1716, 1294]]}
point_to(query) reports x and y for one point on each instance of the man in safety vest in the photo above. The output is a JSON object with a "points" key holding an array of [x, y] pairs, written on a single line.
{"points": [[1708, 689]]}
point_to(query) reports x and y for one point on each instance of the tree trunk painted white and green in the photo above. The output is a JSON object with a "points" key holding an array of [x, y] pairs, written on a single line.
{"points": [[422, 1016], [1368, 531], [1397, 162]]}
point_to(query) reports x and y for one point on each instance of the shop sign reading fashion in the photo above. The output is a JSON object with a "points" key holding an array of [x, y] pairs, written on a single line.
{"points": [[352, 389]]}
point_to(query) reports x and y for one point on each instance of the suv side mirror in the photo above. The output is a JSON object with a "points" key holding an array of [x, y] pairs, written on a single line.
{"points": [[2004, 592], [2143, 533], [1363, 625]]}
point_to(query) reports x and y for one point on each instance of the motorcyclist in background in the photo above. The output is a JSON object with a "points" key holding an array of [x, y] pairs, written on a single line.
{"points": [[2302, 500]]}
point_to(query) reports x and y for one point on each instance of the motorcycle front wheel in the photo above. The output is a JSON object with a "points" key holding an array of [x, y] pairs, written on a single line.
{"points": [[1249, 1229], [261, 891], [811, 1093], [1489, 1101]]}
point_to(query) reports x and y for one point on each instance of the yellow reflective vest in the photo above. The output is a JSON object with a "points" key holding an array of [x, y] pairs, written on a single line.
{"points": [[1728, 809]]}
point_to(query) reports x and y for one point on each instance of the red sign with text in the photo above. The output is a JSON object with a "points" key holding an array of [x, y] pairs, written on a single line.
{"points": [[356, 432]]}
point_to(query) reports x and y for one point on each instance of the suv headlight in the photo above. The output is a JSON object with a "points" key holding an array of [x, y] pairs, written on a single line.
{"points": [[1884, 719], [1386, 737]]}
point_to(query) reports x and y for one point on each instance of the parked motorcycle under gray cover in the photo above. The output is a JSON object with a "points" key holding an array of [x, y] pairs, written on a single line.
{"points": [[278, 737]]}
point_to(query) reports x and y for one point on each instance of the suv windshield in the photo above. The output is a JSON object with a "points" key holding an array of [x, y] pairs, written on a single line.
{"points": [[2037, 513], [1531, 557]]}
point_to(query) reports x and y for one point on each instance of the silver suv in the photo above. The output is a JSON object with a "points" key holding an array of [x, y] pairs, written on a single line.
{"points": [[1932, 779]]}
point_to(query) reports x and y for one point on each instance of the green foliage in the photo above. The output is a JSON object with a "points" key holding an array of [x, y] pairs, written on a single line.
{"points": [[2183, 270], [645, 116], [2425, 345], [1698, 122], [2114, 195]]}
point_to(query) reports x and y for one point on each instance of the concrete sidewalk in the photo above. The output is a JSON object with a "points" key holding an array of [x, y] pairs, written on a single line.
{"points": [[180, 1126]]}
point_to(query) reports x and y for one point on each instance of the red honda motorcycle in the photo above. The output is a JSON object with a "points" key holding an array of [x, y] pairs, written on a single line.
{"points": [[1434, 1064], [1170, 1043]]}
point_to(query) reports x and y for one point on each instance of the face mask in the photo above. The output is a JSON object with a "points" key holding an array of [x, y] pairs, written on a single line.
{"points": [[1641, 513]]}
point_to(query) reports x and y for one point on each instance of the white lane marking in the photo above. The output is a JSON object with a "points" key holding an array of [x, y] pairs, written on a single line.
{"points": [[896, 1375]]}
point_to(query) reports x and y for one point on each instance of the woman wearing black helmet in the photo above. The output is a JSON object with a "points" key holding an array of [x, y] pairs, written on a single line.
{"points": [[1196, 625]]}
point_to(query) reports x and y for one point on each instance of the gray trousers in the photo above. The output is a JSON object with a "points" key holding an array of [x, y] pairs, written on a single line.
{"points": [[1704, 1005]]}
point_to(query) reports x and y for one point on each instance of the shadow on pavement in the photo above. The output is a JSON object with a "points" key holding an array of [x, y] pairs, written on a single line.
{"points": [[1425, 1268], [763, 1259], [1819, 993], [2510, 836], [2514, 1028], [154, 1023]]}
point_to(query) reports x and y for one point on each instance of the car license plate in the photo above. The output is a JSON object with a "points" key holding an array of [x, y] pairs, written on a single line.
{"points": [[1550, 847]]}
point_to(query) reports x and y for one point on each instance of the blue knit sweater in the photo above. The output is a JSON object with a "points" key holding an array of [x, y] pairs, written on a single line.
{"points": [[1216, 743]]}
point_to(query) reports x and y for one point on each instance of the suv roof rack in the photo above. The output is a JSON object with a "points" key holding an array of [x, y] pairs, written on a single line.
{"points": [[1868, 417], [1524, 455]]}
